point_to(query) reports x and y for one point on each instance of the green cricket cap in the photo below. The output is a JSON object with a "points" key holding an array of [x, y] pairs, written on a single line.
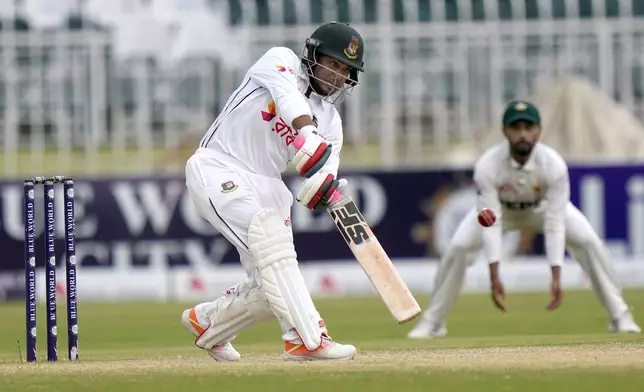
{"points": [[521, 110]]}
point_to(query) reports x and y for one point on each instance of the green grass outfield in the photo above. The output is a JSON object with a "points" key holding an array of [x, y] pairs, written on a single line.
{"points": [[143, 347]]}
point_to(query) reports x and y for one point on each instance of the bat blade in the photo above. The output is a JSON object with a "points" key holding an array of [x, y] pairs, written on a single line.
{"points": [[373, 259]]}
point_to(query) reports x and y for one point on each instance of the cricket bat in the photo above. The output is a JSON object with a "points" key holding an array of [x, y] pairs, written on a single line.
{"points": [[373, 259]]}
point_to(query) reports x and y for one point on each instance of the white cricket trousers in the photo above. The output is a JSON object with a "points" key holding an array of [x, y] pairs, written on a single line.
{"points": [[229, 196], [581, 241]]}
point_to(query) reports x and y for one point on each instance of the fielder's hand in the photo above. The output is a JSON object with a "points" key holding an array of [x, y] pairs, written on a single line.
{"points": [[316, 192], [312, 154], [498, 295], [556, 297]]}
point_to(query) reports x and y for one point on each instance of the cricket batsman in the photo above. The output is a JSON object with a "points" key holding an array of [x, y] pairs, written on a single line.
{"points": [[525, 184], [235, 181]]}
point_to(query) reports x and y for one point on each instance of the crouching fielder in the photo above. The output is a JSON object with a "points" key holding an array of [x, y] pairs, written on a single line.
{"points": [[235, 181], [526, 184]]}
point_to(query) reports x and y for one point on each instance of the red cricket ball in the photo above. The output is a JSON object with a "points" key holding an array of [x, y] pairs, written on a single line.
{"points": [[486, 217]]}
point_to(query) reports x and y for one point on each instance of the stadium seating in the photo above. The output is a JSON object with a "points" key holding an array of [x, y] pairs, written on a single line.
{"points": [[86, 76]]}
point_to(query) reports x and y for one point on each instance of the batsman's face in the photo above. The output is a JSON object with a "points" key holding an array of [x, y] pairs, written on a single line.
{"points": [[330, 74], [522, 136]]}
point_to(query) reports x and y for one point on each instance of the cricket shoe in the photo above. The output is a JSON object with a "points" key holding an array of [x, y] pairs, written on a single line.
{"points": [[427, 329], [624, 324], [223, 353], [295, 350]]}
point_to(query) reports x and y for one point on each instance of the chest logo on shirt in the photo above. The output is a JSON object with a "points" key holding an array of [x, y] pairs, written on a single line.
{"points": [[285, 131], [315, 120], [507, 188], [271, 113], [280, 126], [536, 188], [281, 68], [521, 196]]}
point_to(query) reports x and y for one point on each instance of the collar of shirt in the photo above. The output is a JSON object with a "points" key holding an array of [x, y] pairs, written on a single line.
{"points": [[304, 85]]}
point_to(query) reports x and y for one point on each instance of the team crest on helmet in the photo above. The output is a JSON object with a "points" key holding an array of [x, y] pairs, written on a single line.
{"points": [[520, 106], [351, 51]]}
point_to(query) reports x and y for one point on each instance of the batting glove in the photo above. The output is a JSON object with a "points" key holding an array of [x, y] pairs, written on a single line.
{"points": [[313, 154], [317, 192]]}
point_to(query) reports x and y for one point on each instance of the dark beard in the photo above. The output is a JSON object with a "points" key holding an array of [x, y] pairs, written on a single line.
{"points": [[316, 87], [313, 82], [522, 152]]}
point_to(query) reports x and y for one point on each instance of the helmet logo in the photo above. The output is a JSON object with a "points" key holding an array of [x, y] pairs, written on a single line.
{"points": [[351, 51]]}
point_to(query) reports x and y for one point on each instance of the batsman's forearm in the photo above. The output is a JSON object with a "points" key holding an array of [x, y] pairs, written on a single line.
{"points": [[302, 121]]}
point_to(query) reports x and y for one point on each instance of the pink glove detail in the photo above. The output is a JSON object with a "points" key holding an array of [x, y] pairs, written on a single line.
{"points": [[313, 152]]}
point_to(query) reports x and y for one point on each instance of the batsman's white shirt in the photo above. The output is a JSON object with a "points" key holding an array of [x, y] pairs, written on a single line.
{"points": [[254, 129], [236, 171], [520, 193]]}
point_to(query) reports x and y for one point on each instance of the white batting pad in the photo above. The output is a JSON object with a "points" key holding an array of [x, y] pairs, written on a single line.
{"points": [[240, 308], [271, 244]]}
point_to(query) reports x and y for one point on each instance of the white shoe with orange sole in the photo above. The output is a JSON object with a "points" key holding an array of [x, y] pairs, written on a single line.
{"points": [[223, 353], [294, 350]]}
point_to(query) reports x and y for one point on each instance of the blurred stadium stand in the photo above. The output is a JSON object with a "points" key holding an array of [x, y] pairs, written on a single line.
{"points": [[128, 86]]}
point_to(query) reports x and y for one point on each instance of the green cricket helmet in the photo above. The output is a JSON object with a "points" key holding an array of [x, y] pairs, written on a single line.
{"points": [[341, 42]]}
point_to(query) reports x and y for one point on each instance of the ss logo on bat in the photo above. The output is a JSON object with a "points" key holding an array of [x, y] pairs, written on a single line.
{"points": [[350, 223]]}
